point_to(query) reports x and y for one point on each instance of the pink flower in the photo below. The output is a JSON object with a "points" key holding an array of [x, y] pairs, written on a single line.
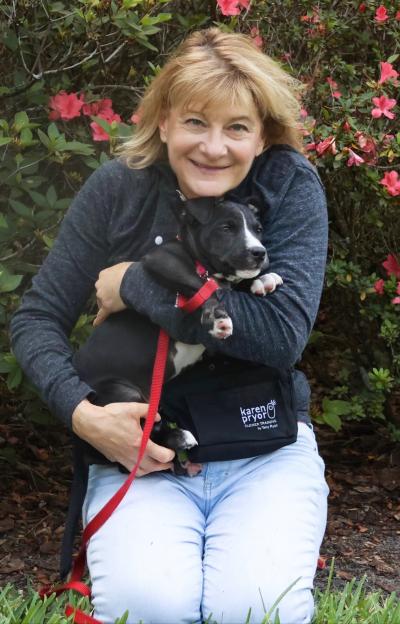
{"points": [[65, 105], [368, 146], [391, 266], [333, 85], [379, 286], [230, 7], [392, 182], [383, 106], [346, 126], [387, 72], [98, 108], [366, 143], [387, 139], [363, 7], [257, 39], [396, 300], [381, 14], [303, 113], [397, 16], [135, 118], [327, 145], [98, 134], [314, 18], [354, 159]]}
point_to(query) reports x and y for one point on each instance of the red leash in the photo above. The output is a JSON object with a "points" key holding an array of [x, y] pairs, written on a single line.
{"points": [[79, 565]]}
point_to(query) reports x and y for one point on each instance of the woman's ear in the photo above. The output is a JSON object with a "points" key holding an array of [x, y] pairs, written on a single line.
{"points": [[260, 145], [163, 128]]}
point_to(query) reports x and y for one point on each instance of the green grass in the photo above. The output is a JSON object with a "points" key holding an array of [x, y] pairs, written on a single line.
{"points": [[352, 605]]}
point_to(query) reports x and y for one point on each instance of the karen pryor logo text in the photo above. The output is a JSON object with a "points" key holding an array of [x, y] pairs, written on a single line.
{"points": [[260, 416]]}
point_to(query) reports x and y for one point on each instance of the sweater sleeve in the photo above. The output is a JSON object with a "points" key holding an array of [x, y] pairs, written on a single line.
{"points": [[50, 308], [274, 329]]}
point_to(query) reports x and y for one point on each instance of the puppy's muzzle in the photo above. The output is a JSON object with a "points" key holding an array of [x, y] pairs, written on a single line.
{"points": [[259, 256]]}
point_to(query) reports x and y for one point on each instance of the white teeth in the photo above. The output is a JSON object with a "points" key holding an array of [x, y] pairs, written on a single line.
{"points": [[208, 166]]}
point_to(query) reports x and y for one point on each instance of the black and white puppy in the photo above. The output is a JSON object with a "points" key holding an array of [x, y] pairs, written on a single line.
{"points": [[117, 360]]}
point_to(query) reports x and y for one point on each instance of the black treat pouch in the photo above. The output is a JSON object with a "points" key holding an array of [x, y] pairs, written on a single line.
{"points": [[234, 409]]}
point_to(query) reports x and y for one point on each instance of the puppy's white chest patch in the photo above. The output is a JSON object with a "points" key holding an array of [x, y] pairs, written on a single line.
{"points": [[185, 355]]}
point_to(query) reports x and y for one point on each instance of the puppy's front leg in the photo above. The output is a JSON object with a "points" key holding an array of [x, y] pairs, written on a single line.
{"points": [[173, 268], [215, 316]]}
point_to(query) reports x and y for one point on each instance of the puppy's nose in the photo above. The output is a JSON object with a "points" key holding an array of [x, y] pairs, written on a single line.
{"points": [[258, 253]]}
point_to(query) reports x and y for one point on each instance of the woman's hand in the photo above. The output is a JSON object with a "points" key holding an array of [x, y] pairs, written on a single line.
{"points": [[115, 431], [107, 291]]}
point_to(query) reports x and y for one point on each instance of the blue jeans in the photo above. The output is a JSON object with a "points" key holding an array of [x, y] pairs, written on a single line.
{"points": [[178, 550]]}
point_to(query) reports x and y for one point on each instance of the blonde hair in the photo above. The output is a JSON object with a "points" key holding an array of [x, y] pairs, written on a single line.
{"points": [[214, 68]]}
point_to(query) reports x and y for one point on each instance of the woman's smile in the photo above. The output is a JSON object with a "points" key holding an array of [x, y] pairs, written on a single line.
{"points": [[208, 168]]}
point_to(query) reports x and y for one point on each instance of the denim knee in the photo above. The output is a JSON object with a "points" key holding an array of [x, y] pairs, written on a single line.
{"points": [[296, 607], [156, 603]]}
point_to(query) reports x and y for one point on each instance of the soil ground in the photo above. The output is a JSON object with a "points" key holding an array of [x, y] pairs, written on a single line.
{"points": [[363, 534]]}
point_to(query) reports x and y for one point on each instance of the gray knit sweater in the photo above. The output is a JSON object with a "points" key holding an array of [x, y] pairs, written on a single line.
{"points": [[118, 215]]}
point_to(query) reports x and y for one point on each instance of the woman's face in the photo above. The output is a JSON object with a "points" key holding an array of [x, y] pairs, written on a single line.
{"points": [[210, 150]]}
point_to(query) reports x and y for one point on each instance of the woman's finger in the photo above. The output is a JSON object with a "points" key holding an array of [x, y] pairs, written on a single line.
{"points": [[148, 465], [100, 317], [159, 454]]}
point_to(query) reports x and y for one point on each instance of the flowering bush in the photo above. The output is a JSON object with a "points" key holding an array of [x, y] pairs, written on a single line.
{"points": [[76, 71]]}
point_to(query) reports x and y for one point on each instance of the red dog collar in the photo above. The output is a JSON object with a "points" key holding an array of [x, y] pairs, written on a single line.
{"points": [[190, 305]]}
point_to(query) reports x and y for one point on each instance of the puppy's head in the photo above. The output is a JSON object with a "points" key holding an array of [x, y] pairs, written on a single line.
{"points": [[224, 235]]}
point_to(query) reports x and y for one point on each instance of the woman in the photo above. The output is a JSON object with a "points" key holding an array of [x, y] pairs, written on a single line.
{"points": [[220, 116]]}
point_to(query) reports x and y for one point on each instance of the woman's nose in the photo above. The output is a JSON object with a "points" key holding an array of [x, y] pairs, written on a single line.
{"points": [[214, 144]]}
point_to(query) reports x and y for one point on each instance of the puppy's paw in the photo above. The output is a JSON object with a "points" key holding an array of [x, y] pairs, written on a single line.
{"points": [[266, 284], [222, 328], [192, 469], [178, 439], [186, 440], [182, 466], [215, 317]]}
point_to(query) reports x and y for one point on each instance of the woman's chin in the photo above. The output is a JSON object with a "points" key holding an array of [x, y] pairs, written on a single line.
{"points": [[206, 189]]}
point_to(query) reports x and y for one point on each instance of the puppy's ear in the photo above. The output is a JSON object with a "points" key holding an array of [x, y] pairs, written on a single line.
{"points": [[201, 208], [254, 204], [254, 209]]}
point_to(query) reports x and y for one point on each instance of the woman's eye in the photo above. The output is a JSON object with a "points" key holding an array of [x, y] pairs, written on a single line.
{"points": [[239, 127], [194, 122]]}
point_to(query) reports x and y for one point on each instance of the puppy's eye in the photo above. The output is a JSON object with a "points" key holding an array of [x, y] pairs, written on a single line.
{"points": [[227, 227], [259, 229]]}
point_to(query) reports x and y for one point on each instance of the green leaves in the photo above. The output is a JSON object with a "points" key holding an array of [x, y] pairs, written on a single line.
{"points": [[333, 410], [8, 281], [381, 379], [50, 199], [10, 367], [139, 28], [56, 143], [21, 121]]}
